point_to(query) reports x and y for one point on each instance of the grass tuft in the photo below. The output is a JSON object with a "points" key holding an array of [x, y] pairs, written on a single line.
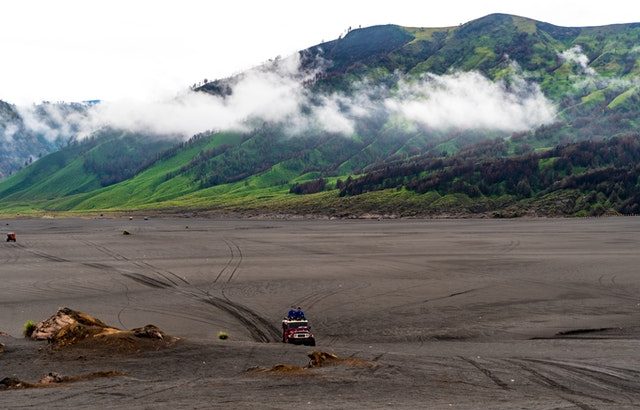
{"points": [[29, 327]]}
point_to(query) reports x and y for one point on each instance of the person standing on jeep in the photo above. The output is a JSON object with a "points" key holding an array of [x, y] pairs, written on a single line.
{"points": [[299, 314], [292, 313]]}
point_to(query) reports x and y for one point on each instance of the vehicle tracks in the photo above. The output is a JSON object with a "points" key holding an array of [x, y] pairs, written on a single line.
{"points": [[12, 256], [487, 373], [619, 382], [44, 255], [259, 328], [549, 382]]}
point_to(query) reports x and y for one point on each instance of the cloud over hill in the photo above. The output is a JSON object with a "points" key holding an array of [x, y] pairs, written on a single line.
{"points": [[278, 92]]}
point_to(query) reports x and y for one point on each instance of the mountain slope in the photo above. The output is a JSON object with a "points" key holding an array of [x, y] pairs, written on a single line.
{"points": [[590, 75], [157, 183], [18, 147], [83, 166], [28, 133], [485, 44], [602, 175]]}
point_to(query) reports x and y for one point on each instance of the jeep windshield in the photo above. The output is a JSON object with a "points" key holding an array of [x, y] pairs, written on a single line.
{"points": [[294, 325]]}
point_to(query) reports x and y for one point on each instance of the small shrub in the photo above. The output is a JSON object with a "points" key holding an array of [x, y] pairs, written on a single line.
{"points": [[309, 187], [29, 327]]}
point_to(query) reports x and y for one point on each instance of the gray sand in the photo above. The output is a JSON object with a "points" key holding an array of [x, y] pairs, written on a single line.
{"points": [[451, 313]]}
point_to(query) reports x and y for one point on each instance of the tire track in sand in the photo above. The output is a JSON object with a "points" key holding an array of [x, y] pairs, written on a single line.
{"points": [[549, 382], [260, 329]]}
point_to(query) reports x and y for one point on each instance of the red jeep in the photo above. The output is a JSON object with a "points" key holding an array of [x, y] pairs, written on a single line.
{"points": [[297, 331]]}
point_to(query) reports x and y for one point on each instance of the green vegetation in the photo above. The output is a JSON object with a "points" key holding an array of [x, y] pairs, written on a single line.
{"points": [[604, 175], [28, 328], [83, 167], [388, 166]]}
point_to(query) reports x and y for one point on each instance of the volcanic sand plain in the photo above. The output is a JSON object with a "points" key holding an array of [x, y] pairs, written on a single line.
{"points": [[524, 313]]}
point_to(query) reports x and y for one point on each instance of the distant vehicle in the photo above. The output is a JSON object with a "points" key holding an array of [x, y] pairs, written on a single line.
{"points": [[297, 331], [11, 237]]}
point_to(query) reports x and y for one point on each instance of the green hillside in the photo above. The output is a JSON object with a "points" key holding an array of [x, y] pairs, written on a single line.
{"points": [[387, 164], [82, 167], [18, 147], [21, 144]]}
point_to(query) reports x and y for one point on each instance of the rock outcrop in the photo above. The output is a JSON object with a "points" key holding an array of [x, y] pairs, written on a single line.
{"points": [[319, 359], [52, 379], [69, 327], [68, 322]]}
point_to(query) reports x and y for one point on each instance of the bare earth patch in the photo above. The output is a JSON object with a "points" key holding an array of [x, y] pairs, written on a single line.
{"points": [[54, 379], [68, 327], [317, 359]]}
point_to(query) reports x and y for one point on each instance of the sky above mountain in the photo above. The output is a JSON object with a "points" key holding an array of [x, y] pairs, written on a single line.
{"points": [[74, 50]]}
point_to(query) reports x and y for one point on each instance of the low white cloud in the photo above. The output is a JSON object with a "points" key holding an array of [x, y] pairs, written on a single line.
{"points": [[274, 93], [278, 93], [55, 120], [270, 94], [9, 131], [332, 118], [588, 80], [468, 100], [576, 56], [589, 84]]}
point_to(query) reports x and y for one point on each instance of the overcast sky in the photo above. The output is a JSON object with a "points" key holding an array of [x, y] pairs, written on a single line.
{"points": [[75, 50]]}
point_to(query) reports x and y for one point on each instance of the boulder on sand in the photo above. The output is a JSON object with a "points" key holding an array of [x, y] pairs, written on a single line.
{"points": [[64, 318], [150, 332], [13, 383], [318, 359], [69, 327], [52, 379]]}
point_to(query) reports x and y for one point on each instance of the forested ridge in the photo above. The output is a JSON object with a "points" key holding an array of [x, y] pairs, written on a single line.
{"points": [[606, 173], [579, 157]]}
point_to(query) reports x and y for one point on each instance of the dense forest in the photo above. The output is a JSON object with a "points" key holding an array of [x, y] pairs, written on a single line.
{"points": [[116, 158], [606, 172]]}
